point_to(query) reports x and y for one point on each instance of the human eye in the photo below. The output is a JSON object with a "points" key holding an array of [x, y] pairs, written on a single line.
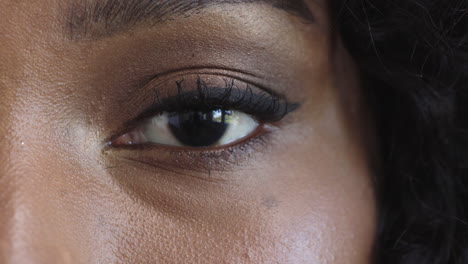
{"points": [[193, 128], [205, 116]]}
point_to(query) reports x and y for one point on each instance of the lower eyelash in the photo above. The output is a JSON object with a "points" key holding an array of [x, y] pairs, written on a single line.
{"points": [[200, 163]]}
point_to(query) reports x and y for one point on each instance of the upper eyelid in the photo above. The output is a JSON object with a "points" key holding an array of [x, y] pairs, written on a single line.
{"points": [[229, 96]]}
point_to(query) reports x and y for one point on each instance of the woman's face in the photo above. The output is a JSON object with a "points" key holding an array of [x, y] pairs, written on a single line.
{"points": [[219, 131]]}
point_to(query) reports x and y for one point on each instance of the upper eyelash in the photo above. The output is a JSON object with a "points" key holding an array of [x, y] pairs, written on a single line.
{"points": [[264, 106]]}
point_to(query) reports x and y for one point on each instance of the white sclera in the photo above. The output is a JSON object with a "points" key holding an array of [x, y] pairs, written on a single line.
{"points": [[156, 130], [240, 125]]}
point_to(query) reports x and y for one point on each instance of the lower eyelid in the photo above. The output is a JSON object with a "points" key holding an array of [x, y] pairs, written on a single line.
{"points": [[199, 163]]}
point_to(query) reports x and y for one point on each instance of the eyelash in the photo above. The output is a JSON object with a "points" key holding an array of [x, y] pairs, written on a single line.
{"points": [[264, 106]]}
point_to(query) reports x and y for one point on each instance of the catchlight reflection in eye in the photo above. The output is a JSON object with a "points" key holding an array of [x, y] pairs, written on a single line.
{"points": [[192, 129]]}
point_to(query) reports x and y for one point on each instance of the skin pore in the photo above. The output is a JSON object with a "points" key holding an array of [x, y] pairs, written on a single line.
{"points": [[298, 190]]}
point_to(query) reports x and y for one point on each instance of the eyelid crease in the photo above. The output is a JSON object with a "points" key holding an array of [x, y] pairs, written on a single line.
{"points": [[221, 72]]}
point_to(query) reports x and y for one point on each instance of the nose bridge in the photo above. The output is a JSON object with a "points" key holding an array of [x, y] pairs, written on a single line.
{"points": [[17, 214], [29, 228], [31, 202]]}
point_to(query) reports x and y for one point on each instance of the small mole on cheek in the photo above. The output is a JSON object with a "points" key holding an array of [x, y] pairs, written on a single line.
{"points": [[270, 202]]}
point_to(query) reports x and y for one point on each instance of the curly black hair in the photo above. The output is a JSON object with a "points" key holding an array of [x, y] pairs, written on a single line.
{"points": [[413, 56]]}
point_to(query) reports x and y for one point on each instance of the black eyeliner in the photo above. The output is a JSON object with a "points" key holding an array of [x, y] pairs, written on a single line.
{"points": [[262, 105]]}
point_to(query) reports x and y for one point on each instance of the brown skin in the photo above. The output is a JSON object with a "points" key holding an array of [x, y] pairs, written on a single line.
{"points": [[301, 193]]}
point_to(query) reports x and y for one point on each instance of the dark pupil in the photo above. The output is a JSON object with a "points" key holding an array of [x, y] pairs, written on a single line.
{"points": [[199, 129]]}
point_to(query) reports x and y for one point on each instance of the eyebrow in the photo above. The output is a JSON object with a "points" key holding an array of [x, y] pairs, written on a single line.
{"points": [[102, 18]]}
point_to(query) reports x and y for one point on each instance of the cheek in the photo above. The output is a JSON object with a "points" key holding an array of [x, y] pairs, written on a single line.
{"points": [[316, 214], [320, 210]]}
